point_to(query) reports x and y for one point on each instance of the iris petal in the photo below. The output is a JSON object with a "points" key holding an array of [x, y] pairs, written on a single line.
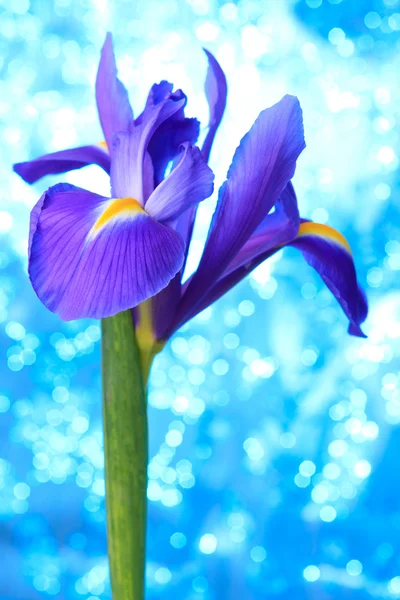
{"points": [[164, 144], [188, 184], [328, 252], [324, 248], [216, 92], [158, 92], [80, 271], [132, 170], [262, 167], [113, 105], [126, 175], [62, 161], [275, 230]]}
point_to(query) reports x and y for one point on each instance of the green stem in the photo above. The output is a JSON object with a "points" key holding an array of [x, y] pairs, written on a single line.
{"points": [[126, 455]]}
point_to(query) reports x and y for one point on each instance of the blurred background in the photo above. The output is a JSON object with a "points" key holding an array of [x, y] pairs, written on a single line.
{"points": [[274, 435]]}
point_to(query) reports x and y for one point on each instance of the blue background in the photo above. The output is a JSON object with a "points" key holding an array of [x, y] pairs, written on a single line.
{"points": [[274, 435]]}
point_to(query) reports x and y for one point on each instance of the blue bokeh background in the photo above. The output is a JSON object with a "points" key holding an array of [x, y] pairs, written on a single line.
{"points": [[274, 435]]}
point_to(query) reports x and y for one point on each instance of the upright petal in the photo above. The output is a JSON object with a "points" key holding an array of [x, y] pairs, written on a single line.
{"points": [[164, 145], [174, 131], [191, 181], [158, 92], [115, 111], [188, 184], [131, 169], [62, 161], [92, 256], [329, 253], [157, 113], [262, 167], [126, 177], [216, 92]]}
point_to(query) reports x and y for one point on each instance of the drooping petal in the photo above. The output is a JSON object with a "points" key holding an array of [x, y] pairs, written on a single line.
{"points": [[62, 161], [329, 253], [92, 256], [216, 92], [113, 105], [324, 248], [188, 184], [262, 167]]}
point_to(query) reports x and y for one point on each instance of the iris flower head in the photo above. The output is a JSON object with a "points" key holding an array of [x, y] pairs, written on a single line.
{"points": [[94, 256]]}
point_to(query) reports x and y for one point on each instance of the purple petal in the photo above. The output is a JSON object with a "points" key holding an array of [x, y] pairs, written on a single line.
{"points": [[325, 249], [125, 180], [216, 92], [159, 92], [184, 311], [62, 161], [92, 256], [174, 131], [328, 252], [165, 143], [164, 305], [262, 167], [161, 97], [277, 229], [115, 112], [188, 184], [131, 169]]}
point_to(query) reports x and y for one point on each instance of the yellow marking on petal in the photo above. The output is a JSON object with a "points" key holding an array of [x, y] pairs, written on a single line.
{"points": [[119, 207], [148, 345], [103, 145], [325, 232]]}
